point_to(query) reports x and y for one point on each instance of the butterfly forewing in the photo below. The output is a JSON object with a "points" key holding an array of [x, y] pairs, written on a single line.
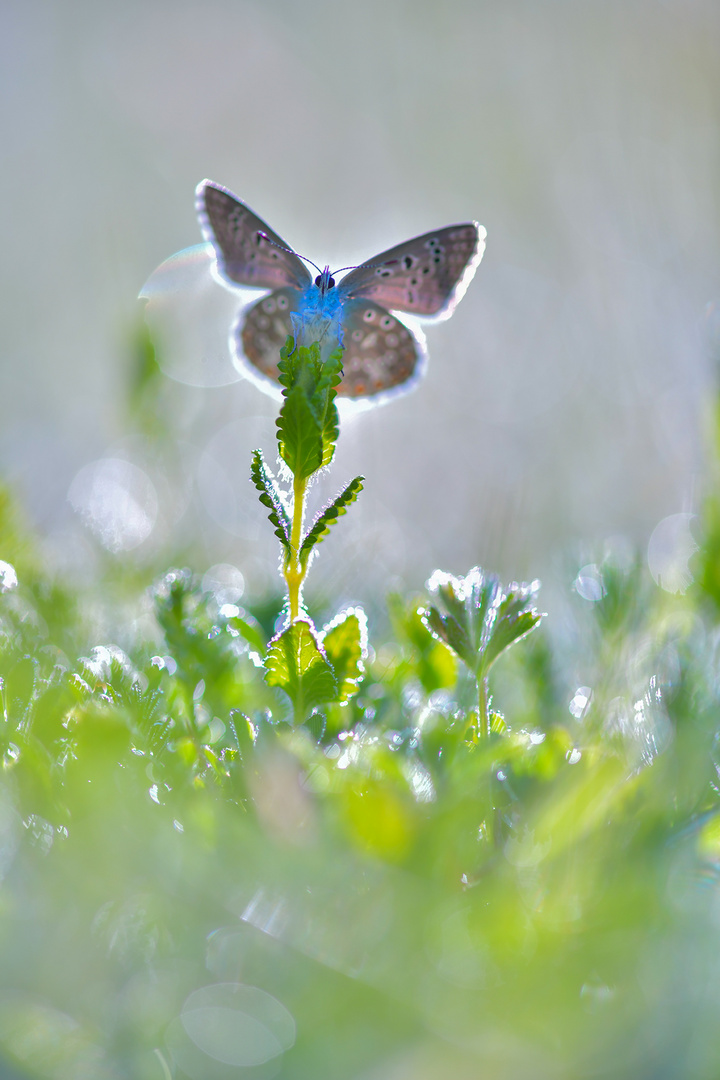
{"points": [[379, 351], [242, 244], [426, 276]]}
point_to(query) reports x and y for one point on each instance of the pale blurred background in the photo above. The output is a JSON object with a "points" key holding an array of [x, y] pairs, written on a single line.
{"points": [[563, 401]]}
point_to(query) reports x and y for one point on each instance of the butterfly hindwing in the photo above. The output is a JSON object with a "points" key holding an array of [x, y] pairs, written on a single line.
{"points": [[241, 241], [379, 351], [262, 330], [426, 276]]}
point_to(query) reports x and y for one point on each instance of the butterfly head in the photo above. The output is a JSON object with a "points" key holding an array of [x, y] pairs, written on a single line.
{"points": [[325, 281]]}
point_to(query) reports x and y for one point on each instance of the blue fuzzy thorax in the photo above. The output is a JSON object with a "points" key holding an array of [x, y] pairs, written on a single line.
{"points": [[319, 315]]}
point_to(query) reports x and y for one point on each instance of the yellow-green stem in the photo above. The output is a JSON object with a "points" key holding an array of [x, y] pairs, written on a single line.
{"points": [[483, 706], [294, 572]]}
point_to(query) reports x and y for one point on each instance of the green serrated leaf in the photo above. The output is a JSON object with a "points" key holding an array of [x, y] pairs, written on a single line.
{"points": [[448, 630], [296, 663], [482, 618], [308, 424], [271, 497], [331, 433], [513, 622], [316, 724], [299, 434], [296, 362], [345, 644], [323, 523], [331, 375]]}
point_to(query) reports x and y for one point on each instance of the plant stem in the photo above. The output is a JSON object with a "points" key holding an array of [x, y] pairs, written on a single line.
{"points": [[294, 572], [483, 710]]}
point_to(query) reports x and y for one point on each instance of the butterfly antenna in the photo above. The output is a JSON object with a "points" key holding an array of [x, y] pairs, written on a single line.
{"points": [[367, 266], [289, 251]]}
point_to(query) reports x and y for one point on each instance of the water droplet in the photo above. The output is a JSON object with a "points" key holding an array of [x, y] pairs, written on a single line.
{"points": [[589, 583], [11, 756], [580, 702], [164, 663], [8, 577]]}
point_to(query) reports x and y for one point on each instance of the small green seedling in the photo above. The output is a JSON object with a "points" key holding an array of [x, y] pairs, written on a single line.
{"points": [[482, 619]]}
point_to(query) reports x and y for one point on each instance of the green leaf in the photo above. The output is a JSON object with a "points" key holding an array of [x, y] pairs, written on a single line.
{"points": [[297, 363], [345, 643], [296, 662], [316, 725], [449, 631], [323, 523], [271, 497], [250, 629], [244, 732], [482, 618], [331, 375], [308, 424], [469, 603], [434, 662], [299, 434], [514, 619]]}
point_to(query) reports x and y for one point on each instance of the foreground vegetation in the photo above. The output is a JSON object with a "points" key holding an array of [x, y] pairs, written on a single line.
{"points": [[249, 846]]}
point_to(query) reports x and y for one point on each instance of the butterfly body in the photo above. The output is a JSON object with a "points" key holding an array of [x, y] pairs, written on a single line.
{"points": [[319, 309], [425, 277]]}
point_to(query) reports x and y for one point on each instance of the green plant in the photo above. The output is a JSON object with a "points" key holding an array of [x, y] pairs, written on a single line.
{"points": [[312, 669], [228, 851]]}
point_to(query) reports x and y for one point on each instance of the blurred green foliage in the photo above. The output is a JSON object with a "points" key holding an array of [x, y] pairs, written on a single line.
{"points": [[410, 900], [244, 847]]}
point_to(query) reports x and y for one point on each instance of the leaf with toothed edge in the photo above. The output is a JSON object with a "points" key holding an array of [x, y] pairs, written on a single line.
{"points": [[448, 630], [308, 424], [345, 643], [299, 436], [482, 618], [514, 620], [326, 393], [296, 663], [271, 497], [323, 523]]}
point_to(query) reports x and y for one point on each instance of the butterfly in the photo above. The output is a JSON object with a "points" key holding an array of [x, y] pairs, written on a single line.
{"points": [[426, 277]]}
